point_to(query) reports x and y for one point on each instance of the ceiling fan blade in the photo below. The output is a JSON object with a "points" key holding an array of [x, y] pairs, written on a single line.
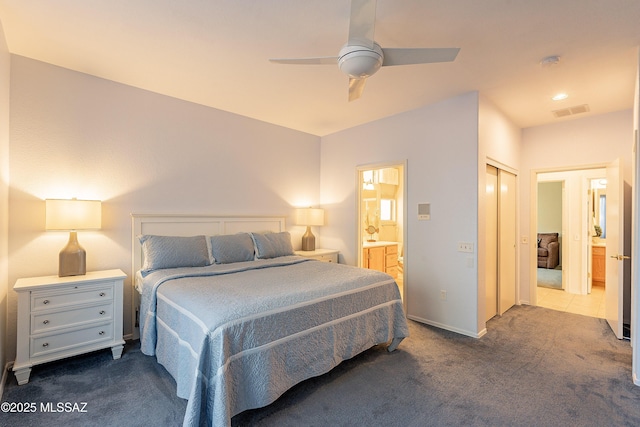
{"points": [[324, 60], [356, 86], [362, 23], [400, 56]]}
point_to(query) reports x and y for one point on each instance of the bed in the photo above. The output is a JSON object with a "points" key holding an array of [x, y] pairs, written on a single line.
{"points": [[237, 318]]}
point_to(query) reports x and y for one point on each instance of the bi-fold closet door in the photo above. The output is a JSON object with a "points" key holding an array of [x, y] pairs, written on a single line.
{"points": [[500, 241]]}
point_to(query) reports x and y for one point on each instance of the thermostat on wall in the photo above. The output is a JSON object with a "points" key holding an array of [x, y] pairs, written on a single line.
{"points": [[424, 211]]}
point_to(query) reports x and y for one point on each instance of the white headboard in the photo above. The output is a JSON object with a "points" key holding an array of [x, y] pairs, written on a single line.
{"points": [[190, 225], [193, 225]]}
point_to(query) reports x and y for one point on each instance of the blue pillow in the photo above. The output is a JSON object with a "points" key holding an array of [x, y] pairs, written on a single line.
{"points": [[174, 251], [232, 248], [272, 245]]}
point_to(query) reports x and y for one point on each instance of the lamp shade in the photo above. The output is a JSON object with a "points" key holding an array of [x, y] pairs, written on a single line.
{"points": [[73, 214], [310, 216]]}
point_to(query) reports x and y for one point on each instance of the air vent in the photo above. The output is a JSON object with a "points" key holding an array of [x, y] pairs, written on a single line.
{"points": [[578, 109]]}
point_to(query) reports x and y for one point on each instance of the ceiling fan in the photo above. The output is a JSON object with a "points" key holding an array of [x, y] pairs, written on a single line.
{"points": [[361, 56]]}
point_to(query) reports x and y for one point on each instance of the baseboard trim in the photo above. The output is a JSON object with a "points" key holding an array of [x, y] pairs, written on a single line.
{"points": [[449, 328], [5, 375]]}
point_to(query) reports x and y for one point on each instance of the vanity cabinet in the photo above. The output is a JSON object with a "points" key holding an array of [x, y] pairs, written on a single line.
{"points": [[381, 256], [598, 266], [374, 258]]}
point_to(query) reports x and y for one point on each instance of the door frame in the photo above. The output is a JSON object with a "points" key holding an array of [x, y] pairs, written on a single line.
{"points": [[533, 220], [404, 215]]}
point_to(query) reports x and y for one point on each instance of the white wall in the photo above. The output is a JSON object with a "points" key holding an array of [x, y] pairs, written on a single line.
{"points": [[75, 135], [440, 145], [571, 144], [550, 207], [5, 60]]}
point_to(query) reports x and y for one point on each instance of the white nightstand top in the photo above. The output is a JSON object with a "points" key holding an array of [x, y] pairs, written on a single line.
{"points": [[317, 252], [34, 282]]}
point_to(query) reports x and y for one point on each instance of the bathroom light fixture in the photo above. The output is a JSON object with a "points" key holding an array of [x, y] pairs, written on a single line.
{"points": [[309, 217], [72, 215], [560, 97]]}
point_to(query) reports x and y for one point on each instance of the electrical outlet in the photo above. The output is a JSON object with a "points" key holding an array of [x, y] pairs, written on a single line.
{"points": [[443, 295], [465, 247]]}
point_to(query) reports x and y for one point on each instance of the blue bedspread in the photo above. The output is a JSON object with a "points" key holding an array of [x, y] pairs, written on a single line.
{"points": [[237, 336]]}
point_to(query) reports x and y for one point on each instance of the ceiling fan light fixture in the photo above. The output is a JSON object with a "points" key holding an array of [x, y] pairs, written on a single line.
{"points": [[359, 62], [361, 57]]}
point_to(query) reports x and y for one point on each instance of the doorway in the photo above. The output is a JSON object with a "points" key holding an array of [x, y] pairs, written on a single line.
{"points": [[381, 220], [584, 250]]}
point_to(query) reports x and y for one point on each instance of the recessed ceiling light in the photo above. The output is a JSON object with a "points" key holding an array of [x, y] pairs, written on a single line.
{"points": [[560, 97], [550, 61]]}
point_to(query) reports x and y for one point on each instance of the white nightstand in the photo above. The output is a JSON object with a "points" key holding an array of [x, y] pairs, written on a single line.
{"points": [[326, 255], [60, 317]]}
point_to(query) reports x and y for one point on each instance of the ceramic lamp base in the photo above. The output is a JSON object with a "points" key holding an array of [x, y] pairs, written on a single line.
{"points": [[308, 240], [72, 258]]}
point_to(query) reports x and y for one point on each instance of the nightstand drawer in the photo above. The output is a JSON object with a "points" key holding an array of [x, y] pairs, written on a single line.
{"points": [[82, 337], [46, 300], [325, 255], [43, 322], [327, 258]]}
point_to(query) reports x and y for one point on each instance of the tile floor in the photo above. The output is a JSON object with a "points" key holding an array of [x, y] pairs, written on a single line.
{"points": [[587, 305]]}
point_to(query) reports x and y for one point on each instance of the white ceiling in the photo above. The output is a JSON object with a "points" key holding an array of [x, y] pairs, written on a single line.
{"points": [[216, 53]]}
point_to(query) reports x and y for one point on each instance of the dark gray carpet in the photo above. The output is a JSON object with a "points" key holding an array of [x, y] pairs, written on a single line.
{"points": [[132, 391], [535, 367]]}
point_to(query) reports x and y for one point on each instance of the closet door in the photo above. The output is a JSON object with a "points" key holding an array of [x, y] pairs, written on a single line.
{"points": [[506, 241], [491, 275]]}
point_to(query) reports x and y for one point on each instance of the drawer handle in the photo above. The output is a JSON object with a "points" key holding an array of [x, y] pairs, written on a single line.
{"points": [[102, 312], [101, 333], [45, 344], [102, 294], [45, 301], [46, 322]]}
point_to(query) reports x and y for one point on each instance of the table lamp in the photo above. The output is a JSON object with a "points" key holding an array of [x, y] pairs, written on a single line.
{"points": [[309, 217], [73, 215]]}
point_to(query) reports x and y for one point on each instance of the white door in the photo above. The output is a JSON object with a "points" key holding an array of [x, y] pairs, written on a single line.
{"points": [[635, 225], [614, 222], [507, 241], [491, 220], [635, 246]]}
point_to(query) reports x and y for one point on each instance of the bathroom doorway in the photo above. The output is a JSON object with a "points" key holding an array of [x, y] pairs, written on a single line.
{"points": [[381, 220]]}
